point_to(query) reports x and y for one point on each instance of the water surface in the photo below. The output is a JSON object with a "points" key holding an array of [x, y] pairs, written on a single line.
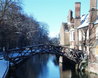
{"points": [[47, 66]]}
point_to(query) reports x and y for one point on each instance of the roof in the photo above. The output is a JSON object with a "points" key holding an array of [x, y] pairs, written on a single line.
{"points": [[84, 21]]}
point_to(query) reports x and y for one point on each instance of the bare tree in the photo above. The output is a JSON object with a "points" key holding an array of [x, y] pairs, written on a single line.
{"points": [[18, 29]]}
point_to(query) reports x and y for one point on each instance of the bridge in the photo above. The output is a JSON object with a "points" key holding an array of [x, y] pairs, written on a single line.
{"points": [[19, 55]]}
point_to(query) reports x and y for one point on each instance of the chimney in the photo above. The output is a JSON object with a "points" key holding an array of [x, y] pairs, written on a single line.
{"points": [[70, 16], [93, 4], [93, 10], [77, 10], [77, 23]]}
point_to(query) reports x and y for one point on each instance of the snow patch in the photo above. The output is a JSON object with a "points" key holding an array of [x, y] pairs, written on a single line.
{"points": [[4, 67], [84, 21]]}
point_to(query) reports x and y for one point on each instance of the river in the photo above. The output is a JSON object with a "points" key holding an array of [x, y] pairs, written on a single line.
{"points": [[47, 66]]}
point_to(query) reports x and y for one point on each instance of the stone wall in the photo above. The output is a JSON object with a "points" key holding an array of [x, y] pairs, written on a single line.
{"points": [[93, 67]]}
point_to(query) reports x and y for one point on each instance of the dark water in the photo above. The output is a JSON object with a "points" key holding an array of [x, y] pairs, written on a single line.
{"points": [[46, 66]]}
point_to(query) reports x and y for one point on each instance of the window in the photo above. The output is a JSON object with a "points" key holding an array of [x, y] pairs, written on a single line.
{"points": [[96, 32], [80, 35], [71, 35]]}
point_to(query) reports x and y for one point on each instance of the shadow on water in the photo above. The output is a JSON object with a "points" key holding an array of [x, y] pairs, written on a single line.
{"points": [[68, 64], [47, 66], [75, 74], [67, 71]]}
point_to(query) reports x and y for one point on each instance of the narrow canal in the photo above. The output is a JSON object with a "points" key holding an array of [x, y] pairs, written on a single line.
{"points": [[47, 66]]}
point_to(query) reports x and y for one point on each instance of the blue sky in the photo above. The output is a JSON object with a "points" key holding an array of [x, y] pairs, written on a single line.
{"points": [[52, 12]]}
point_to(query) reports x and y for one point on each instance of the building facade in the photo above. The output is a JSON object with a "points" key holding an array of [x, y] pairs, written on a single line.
{"points": [[82, 31]]}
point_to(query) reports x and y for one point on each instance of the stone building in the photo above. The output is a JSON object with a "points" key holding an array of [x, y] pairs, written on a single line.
{"points": [[83, 30], [64, 36], [70, 28]]}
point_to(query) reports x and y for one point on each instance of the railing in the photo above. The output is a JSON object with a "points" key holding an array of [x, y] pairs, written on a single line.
{"points": [[15, 56]]}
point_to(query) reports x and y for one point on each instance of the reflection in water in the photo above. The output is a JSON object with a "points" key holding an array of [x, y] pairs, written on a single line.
{"points": [[76, 74], [39, 66], [66, 74], [52, 70], [46, 66]]}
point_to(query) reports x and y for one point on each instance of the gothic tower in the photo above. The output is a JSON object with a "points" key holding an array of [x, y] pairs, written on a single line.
{"points": [[70, 16]]}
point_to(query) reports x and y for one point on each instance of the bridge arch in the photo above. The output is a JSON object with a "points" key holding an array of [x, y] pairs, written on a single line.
{"points": [[15, 56]]}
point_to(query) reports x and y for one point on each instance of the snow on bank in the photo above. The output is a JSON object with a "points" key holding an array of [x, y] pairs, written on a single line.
{"points": [[4, 67]]}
